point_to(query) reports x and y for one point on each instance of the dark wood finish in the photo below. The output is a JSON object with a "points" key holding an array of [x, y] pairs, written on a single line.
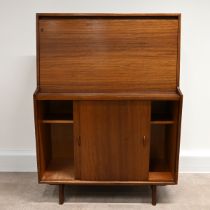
{"points": [[61, 194], [108, 106], [114, 140], [154, 194]]}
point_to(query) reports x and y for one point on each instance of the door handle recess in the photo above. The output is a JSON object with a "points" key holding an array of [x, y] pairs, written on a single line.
{"points": [[144, 140], [79, 140]]}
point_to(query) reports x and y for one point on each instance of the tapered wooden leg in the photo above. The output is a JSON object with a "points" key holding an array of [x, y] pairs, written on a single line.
{"points": [[154, 194], [61, 194]]}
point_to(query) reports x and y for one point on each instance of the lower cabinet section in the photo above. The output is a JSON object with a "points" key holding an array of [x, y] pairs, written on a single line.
{"points": [[162, 148], [55, 142], [120, 142], [164, 140]]}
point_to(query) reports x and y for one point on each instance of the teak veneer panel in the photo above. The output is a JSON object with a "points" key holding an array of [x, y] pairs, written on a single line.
{"points": [[108, 54], [114, 140]]}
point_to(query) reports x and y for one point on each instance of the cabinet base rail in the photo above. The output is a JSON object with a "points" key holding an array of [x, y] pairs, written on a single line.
{"points": [[62, 195]]}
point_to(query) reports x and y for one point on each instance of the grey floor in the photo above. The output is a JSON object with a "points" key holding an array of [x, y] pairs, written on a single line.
{"points": [[21, 191]]}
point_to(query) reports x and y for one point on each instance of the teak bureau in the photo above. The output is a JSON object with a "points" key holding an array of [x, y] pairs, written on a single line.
{"points": [[108, 104]]}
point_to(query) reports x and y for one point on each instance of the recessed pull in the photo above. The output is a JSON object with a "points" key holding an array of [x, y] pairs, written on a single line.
{"points": [[144, 140], [79, 140]]}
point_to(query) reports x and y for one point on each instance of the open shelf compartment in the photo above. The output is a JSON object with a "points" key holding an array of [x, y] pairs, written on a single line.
{"points": [[56, 111], [162, 152], [57, 152], [163, 112], [55, 121], [164, 121]]}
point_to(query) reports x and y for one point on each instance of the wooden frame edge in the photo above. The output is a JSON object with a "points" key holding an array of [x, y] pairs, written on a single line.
{"points": [[178, 135], [37, 138], [108, 183], [37, 52], [178, 50], [108, 14]]}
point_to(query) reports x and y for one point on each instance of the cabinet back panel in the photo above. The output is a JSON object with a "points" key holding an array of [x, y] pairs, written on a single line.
{"points": [[108, 54], [62, 141]]}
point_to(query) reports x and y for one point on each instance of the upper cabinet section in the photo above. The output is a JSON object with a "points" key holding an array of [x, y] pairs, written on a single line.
{"points": [[107, 53]]}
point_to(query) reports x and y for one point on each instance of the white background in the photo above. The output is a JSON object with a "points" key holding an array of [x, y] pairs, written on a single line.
{"points": [[18, 73]]}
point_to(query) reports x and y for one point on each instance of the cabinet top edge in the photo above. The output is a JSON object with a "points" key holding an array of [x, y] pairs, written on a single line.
{"points": [[172, 15]]}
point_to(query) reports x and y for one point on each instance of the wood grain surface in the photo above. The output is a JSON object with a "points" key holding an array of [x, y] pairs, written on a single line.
{"points": [[112, 54], [115, 140], [108, 104]]}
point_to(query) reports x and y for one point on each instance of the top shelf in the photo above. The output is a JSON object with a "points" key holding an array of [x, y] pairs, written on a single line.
{"points": [[58, 118], [55, 111], [163, 112]]}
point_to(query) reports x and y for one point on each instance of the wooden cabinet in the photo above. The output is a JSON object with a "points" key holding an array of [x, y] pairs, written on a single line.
{"points": [[108, 104]]}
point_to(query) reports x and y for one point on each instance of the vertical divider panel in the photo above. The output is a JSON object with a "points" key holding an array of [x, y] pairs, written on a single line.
{"points": [[76, 136]]}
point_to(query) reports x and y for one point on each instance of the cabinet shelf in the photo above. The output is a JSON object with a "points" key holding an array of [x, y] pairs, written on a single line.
{"points": [[58, 121], [161, 176], [162, 122], [58, 118], [163, 112], [59, 169]]}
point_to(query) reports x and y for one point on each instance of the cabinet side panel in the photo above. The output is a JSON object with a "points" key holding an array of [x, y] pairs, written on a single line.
{"points": [[108, 54], [37, 133], [43, 143], [178, 139]]}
